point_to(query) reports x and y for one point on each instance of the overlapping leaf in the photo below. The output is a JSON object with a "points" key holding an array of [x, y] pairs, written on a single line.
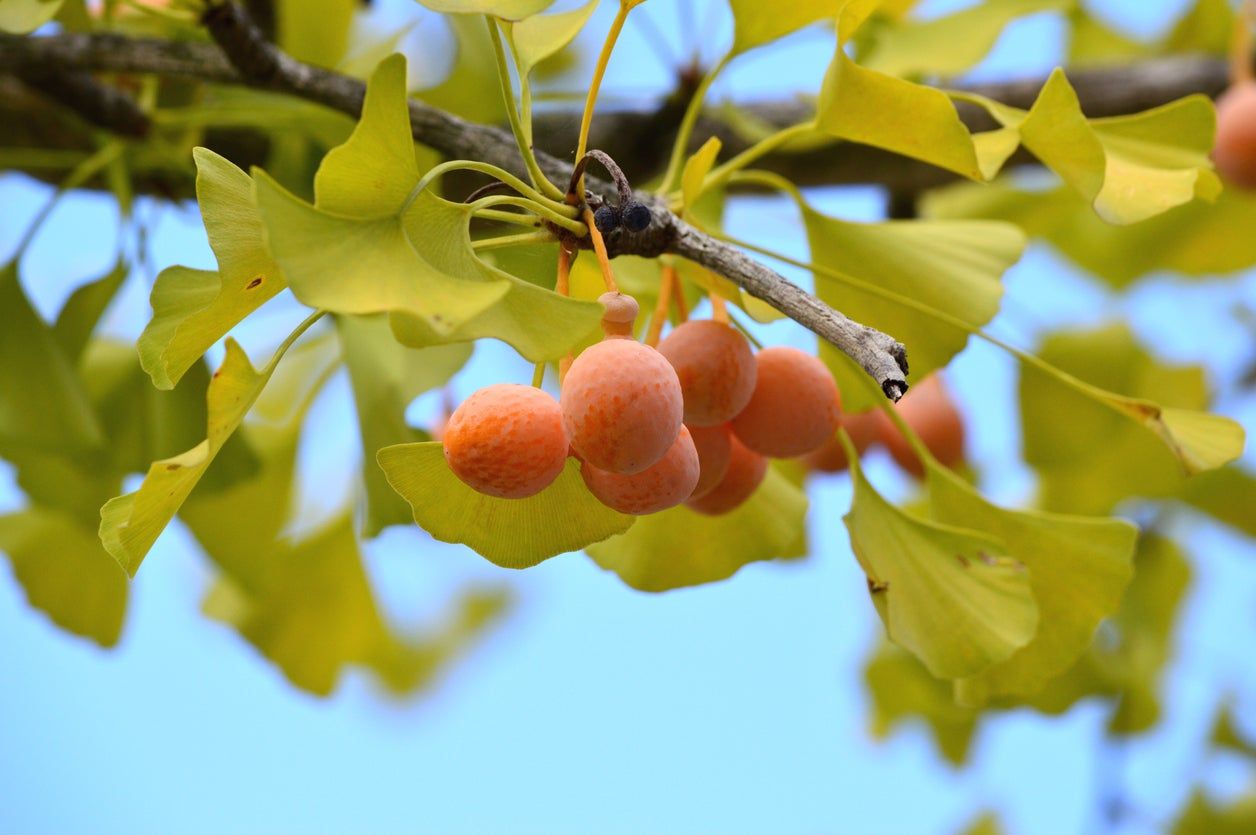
{"points": [[679, 547], [315, 31], [902, 690], [1129, 168], [512, 533], [1095, 443], [1196, 239], [952, 596], [130, 524], [505, 9], [193, 309], [386, 376], [756, 23], [538, 38]]}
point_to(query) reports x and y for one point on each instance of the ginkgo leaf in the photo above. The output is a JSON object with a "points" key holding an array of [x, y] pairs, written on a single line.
{"points": [[1227, 495], [756, 23], [1096, 442], [511, 533], [949, 45], [130, 524], [314, 613], [1203, 816], [696, 169], [19, 17], [65, 573], [315, 31], [1226, 733], [902, 689], [680, 547], [44, 406], [542, 36], [540, 324], [951, 596], [1131, 660], [193, 309], [375, 170], [472, 89], [1196, 239], [505, 9], [82, 312], [952, 266], [386, 376], [368, 265], [1078, 569]]}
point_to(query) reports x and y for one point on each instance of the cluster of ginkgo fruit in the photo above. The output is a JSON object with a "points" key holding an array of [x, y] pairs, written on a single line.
{"points": [[693, 421]]}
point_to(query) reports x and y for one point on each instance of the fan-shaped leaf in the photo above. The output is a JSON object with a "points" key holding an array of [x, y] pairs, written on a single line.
{"points": [[512, 533], [679, 547], [505, 9], [22, 16], [540, 37]]}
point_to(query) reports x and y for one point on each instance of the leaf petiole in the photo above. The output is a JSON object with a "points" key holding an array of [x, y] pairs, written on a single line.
{"points": [[437, 171], [522, 239], [599, 70], [575, 227]]}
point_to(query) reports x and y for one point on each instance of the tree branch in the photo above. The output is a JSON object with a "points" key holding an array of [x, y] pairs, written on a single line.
{"points": [[256, 63]]}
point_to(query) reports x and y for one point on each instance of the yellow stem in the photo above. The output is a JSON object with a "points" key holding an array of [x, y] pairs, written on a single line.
{"points": [[523, 138], [667, 281], [764, 146], [719, 308], [675, 164], [603, 59], [599, 247]]}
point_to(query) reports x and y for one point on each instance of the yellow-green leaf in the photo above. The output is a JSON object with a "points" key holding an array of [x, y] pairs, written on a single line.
{"points": [[44, 405], [902, 689], [505, 9], [1078, 569], [1098, 441], [315, 31], [949, 45], [130, 524], [19, 17], [679, 547], [696, 169], [540, 37], [386, 376], [193, 309], [756, 23], [951, 596], [65, 573], [82, 312], [512, 533], [374, 171], [1228, 495], [354, 265]]}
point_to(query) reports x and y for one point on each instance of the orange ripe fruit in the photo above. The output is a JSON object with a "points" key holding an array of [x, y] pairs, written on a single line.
{"points": [[506, 440], [928, 409], [1234, 151], [665, 484], [714, 447], [746, 470], [864, 428], [794, 408], [716, 369], [622, 406]]}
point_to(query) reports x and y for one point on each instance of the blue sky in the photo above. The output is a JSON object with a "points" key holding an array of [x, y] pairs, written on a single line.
{"points": [[736, 707]]}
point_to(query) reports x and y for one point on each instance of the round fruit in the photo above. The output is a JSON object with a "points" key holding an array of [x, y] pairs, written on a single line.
{"points": [[622, 406], [794, 408], [506, 440], [666, 484], [746, 470], [928, 409], [636, 217], [714, 447], [864, 428], [716, 369], [1235, 148]]}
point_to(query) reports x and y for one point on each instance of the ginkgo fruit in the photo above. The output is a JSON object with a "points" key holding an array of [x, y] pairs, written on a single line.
{"points": [[864, 428], [619, 313], [746, 471], [929, 411], [622, 406], [666, 483], [1234, 150], [716, 369], [714, 447], [794, 408], [506, 440]]}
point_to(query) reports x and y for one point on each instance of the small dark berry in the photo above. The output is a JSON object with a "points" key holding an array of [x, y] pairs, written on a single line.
{"points": [[606, 219], [636, 217]]}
